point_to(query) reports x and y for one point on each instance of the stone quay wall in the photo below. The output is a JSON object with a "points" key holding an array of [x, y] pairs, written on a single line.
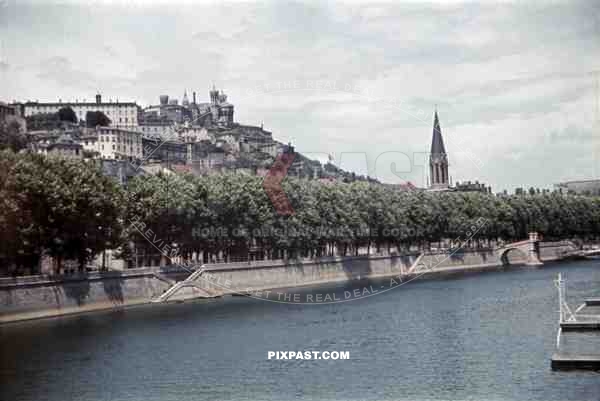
{"points": [[31, 297], [41, 296]]}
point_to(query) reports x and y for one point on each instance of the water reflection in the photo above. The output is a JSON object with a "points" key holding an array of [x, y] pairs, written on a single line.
{"points": [[479, 337]]}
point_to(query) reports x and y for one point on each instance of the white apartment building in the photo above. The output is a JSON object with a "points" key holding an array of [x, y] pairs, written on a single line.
{"points": [[114, 143], [193, 134], [121, 114], [163, 129]]}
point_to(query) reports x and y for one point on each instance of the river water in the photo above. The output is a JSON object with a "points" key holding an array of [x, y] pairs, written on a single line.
{"points": [[479, 337]]}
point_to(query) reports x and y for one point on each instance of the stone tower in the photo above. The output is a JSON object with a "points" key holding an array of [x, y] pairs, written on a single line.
{"points": [[214, 95], [438, 159]]}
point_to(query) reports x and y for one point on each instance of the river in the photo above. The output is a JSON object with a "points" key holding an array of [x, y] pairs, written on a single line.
{"points": [[478, 337]]}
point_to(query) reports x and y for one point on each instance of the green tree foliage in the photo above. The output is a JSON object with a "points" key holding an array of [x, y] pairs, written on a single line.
{"points": [[59, 206], [67, 209], [96, 118], [229, 216], [43, 121], [12, 136], [67, 114]]}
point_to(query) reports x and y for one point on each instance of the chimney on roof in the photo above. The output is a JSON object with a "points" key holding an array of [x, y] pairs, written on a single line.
{"points": [[194, 97], [98, 99]]}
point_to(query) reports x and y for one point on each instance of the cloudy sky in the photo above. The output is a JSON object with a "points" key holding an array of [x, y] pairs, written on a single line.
{"points": [[514, 83]]}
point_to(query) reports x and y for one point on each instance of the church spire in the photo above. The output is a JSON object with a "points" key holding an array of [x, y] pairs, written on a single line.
{"points": [[437, 142], [438, 160]]}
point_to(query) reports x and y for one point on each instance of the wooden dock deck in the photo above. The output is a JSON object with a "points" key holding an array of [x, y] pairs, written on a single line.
{"points": [[561, 361], [592, 302], [580, 326], [575, 321]]}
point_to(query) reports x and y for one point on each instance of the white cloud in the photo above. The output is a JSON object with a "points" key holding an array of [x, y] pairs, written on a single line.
{"points": [[511, 80]]}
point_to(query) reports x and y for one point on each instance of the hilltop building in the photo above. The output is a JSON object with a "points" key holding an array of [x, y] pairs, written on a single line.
{"points": [[91, 143], [65, 146], [198, 137], [59, 143], [216, 113], [582, 187], [113, 143], [199, 155], [121, 114], [156, 125], [168, 109], [221, 110]]}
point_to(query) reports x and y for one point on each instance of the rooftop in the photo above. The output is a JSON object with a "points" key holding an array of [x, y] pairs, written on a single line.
{"points": [[36, 103]]}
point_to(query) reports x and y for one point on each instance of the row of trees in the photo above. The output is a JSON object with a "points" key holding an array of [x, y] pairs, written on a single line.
{"points": [[231, 216], [67, 209]]}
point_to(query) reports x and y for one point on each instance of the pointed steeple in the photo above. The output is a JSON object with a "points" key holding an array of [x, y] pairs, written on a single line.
{"points": [[438, 160], [437, 142]]}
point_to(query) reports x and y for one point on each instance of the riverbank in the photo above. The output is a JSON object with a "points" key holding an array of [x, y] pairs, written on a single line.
{"points": [[35, 297], [469, 337]]}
